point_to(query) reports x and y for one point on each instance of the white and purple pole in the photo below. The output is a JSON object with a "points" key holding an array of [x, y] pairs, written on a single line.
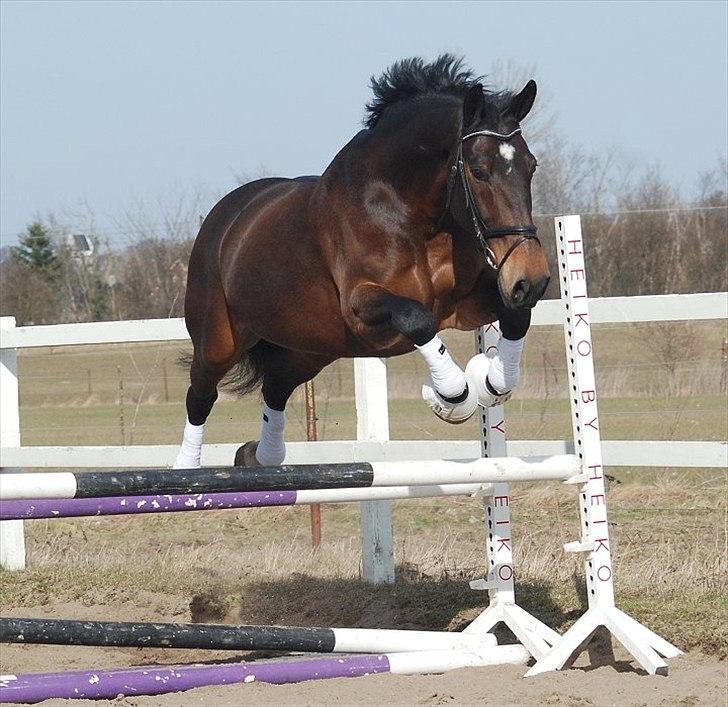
{"points": [[154, 680]]}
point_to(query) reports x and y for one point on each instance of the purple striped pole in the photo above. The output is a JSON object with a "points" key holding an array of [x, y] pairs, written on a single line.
{"points": [[125, 505], [27, 509], [107, 684]]}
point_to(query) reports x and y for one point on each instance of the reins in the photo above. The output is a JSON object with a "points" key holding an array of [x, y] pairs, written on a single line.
{"points": [[482, 232]]}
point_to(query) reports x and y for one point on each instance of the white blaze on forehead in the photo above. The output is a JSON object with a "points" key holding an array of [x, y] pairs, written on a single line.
{"points": [[506, 151]]}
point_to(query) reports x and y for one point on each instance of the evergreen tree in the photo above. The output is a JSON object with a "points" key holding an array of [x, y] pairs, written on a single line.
{"points": [[37, 252]]}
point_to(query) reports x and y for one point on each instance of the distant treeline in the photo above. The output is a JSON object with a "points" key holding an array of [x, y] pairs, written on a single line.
{"points": [[642, 238]]}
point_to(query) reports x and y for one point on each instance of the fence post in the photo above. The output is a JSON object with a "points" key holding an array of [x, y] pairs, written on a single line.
{"points": [[12, 537], [372, 425]]}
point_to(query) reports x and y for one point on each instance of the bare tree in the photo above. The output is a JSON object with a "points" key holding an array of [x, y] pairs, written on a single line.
{"points": [[150, 273]]}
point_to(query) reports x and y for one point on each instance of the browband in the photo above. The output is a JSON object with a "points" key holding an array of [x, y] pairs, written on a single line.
{"points": [[481, 231], [492, 133]]}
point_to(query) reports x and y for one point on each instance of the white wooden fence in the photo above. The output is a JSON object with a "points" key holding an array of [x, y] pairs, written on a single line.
{"points": [[371, 408]]}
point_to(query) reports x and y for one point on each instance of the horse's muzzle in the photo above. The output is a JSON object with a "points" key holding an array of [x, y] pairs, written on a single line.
{"points": [[526, 293]]}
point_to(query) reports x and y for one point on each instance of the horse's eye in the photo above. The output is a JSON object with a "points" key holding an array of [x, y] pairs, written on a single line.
{"points": [[480, 174]]}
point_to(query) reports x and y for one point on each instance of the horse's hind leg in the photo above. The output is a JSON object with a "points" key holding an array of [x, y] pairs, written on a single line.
{"points": [[283, 371], [212, 359], [201, 396]]}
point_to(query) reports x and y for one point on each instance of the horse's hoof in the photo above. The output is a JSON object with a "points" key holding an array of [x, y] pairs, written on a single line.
{"points": [[454, 413], [245, 456], [477, 374]]}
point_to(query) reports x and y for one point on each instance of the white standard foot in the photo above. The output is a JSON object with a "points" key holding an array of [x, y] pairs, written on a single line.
{"points": [[271, 449], [190, 451]]}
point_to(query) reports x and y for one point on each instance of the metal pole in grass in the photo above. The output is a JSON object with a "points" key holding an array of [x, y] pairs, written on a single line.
{"points": [[312, 436], [164, 380], [121, 404]]}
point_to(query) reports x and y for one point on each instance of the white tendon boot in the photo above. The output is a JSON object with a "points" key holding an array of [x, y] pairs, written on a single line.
{"points": [[493, 379], [446, 391], [271, 450], [190, 451], [454, 413]]}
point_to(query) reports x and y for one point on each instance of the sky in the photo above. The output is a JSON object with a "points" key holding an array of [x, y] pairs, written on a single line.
{"points": [[108, 104]]}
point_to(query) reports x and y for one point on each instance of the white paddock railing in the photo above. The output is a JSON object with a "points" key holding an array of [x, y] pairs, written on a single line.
{"points": [[372, 442]]}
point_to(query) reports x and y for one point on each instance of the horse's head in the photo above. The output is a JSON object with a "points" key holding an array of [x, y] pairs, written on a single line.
{"points": [[494, 169]]}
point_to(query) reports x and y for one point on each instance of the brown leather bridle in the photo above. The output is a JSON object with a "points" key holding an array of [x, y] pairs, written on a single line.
{"points": [[482, 232]]}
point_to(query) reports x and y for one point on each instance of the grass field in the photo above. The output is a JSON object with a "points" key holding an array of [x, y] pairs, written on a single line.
{"points": [[655, 382], [668, 527]]}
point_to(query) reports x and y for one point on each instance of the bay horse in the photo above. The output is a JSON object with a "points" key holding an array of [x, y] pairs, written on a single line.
{"points": [[421, 222]]}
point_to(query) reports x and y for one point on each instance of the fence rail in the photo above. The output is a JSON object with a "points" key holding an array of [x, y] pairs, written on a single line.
{"points": [[603, 310], [370, 399], [678, 454]]}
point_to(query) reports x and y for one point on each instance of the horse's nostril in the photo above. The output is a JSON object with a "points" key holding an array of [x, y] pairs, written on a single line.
{"points": [[540, 287], [520, 291]]}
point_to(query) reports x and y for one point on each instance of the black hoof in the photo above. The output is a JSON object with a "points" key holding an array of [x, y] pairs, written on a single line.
{"points": [[245, 456]]}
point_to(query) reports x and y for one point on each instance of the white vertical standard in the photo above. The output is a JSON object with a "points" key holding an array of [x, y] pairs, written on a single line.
{"points": [[372, 425], [535, 636], [642, 643], [12, 536]]}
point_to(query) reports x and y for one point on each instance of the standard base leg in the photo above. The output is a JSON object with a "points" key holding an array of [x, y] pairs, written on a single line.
{"points": [[659, 644], [535, 636], [642, 643]]}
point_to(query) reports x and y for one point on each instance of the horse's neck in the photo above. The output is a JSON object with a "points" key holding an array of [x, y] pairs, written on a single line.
{"points": [[413, 151]]}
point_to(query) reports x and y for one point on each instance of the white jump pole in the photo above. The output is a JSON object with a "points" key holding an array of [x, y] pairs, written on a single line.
{"points": [[535, 636], [67, 484], [642, 643]]}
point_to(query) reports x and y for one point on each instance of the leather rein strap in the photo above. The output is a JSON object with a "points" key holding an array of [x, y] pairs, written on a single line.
{"points": [[482, 232]]}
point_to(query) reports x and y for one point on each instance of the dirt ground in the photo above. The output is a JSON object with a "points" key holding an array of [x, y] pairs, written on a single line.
{"points": [[257, 566], [598, 677]]}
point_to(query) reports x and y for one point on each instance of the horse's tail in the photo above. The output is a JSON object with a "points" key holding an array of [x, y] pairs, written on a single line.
{"points": [[246, 375]]}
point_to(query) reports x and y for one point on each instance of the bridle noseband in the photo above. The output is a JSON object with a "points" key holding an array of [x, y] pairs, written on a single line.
{"points": [[482, 232]]}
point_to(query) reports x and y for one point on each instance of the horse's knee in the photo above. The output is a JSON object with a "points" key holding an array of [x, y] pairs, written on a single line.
{"points": [[413, 319], [379, 309]]}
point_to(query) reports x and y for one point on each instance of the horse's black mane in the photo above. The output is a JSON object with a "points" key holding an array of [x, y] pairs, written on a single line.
{"points": [[412, 78]]}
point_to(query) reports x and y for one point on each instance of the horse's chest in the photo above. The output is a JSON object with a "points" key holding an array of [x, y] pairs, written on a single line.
{"points": [[452, 274]]}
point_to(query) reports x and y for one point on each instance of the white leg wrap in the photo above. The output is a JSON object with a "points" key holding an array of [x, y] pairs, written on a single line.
{"points": [[493, 379], [272, 446], [448, 379], [505, 368], [190, 451]]}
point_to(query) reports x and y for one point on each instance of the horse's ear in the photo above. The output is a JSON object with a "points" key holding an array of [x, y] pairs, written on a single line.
{"points": [[473, 106], [520, 105]]}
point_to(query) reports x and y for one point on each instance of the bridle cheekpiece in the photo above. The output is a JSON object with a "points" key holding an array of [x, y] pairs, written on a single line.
{"points": [[482, 232]]}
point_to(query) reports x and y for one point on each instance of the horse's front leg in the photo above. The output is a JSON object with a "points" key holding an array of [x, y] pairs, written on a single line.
{"points": [[376, 314], [495, 377]]}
